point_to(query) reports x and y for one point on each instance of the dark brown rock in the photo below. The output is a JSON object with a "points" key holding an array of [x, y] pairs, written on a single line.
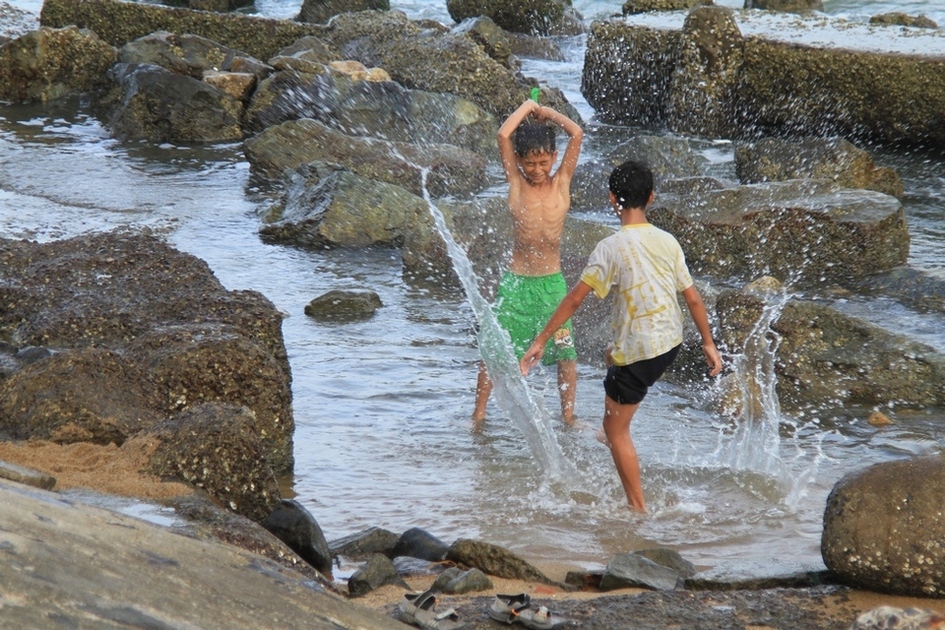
{"points": [[494, 560], [216, 448], [49, 64], [834, 159], [452, 170], [79, 395], [538, 17], [118, 22], [883, 528], [137, 330]]}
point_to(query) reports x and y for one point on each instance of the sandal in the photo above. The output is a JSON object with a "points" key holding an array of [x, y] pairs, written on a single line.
{"points": [[538, 619], [505, 605], [418, 609], [414, 602], [511, 609]]}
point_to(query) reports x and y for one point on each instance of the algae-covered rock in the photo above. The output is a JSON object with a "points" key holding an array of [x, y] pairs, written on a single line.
{"points": [[48, 64], [883, 530], [442, 169]]}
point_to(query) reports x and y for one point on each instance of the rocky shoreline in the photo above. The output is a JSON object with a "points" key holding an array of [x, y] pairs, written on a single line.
{"points": [[148, 575]]}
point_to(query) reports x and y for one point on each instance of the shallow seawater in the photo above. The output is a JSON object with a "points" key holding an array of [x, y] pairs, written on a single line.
{"points": [[382, 406]]}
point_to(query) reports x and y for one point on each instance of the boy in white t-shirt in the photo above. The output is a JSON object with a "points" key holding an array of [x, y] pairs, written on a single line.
{"points": [[646, 267]]}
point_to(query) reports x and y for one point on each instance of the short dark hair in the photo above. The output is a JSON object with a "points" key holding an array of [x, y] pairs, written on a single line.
{"points": [[632, 184], [534, 137]]}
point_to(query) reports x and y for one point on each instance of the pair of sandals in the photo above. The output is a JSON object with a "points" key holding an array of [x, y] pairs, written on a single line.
{"points": [[419, 609], [519, 609]]}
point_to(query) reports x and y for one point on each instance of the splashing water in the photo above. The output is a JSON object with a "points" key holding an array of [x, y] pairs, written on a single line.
{"points": [[755, 447], [510, 389]]}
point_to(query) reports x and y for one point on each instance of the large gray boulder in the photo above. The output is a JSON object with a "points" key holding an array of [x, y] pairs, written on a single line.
{"points": [[703, 89], [161, 106], [442, 169], [883, 528], [495, 560], [807, 232], [536, 17], [330, 206], [189, 55], [380, 109], [49, 64], [156, 321], [215, 448], [627, 570], [430, 60], [772, 82], [826, 358], [834, 159], [118, 22], [113, 570]]}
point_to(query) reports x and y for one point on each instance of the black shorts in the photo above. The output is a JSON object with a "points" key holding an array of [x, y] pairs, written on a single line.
{"points": [[628, 384]]}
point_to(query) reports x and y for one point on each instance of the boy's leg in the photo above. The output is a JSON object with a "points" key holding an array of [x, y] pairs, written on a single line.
{"points": [[567, 387], [483, 389], [617, 419]]}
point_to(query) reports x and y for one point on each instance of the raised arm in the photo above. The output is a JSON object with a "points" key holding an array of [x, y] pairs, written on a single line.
{"points": [[575, 137], [506, 150], [697, 310]]}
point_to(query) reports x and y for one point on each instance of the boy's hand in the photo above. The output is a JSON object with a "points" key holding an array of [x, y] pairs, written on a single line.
{"points": [[543, 113], [531, 357], [713, 358]]}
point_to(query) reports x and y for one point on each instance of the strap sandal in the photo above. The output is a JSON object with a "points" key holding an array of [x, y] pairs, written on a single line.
{"points": [[511, 609], [505, 605], [412, 603], [538, 619]]}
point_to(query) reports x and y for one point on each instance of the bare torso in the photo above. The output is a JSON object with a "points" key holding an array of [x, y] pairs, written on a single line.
{"points": [[538, 213]]}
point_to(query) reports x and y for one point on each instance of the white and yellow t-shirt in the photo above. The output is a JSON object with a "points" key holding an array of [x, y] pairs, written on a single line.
{"points": [[648, 269]]}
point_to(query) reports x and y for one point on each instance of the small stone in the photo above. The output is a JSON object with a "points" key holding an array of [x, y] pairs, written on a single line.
{"points": [[344, 305], [879, 419]]}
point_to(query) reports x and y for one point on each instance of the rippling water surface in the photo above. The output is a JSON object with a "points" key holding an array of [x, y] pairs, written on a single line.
{"points": [[382, 407]]}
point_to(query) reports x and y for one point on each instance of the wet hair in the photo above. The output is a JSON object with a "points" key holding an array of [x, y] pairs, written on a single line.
{"points": [[632, 184], [533, 137]]}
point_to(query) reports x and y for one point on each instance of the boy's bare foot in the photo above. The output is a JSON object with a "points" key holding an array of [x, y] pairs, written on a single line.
{"points": [[478, 419], [569, 420]]}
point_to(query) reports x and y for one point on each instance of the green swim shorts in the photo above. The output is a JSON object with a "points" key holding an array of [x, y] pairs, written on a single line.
{"points": [[523, 306]]}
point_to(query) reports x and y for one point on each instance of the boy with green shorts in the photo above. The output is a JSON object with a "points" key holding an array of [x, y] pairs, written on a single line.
{"points": [[539, 202]]}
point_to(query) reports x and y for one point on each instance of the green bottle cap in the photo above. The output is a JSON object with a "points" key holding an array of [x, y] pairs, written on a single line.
{"points": [[535, 92]]}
